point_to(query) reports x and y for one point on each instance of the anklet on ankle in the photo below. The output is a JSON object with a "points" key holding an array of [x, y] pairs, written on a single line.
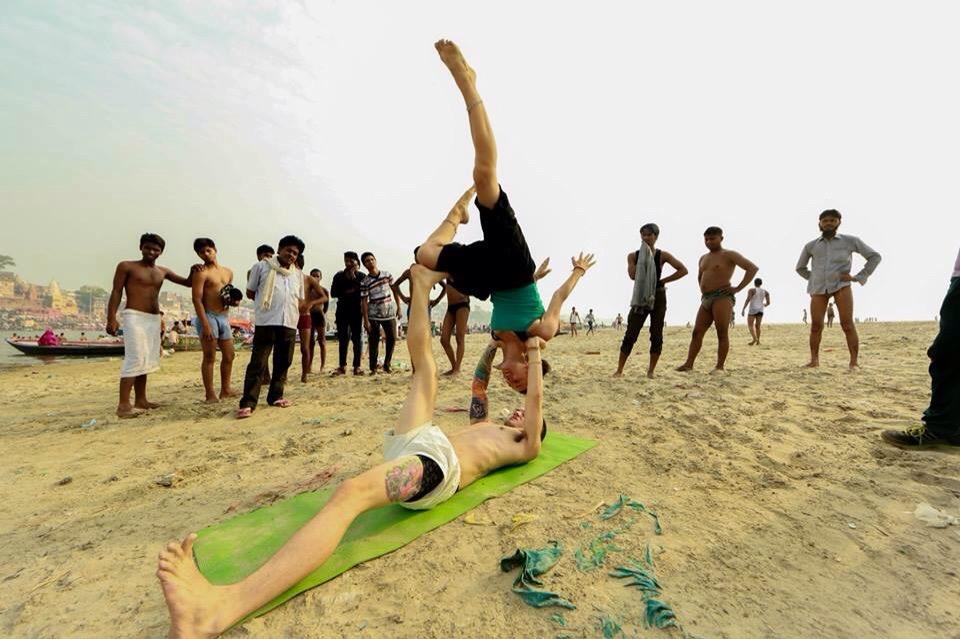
{"points": [[473, 104]]}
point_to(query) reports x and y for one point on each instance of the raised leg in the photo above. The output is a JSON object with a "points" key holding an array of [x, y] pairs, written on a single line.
{"points": [[421, 398], [700, 326], [818, 307], [844, 299]]}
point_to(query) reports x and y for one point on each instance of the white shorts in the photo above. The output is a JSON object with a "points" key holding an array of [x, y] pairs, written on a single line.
{"points": [[429, 441], [141, 343]]}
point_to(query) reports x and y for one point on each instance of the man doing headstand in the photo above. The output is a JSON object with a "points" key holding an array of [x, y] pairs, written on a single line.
{"points": [[423, 467], [499, 266]]}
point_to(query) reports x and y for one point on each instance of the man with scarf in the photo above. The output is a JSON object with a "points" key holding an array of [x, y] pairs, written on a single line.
{"points": [[276, 285], [645, 268]]}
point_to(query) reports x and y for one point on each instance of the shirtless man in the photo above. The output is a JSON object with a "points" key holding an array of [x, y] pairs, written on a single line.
{"points": [[716, 304], [423, 467], [213, 319], [455, 319], [318, 316], [758, 299], [314, 297], [499, 266], [830, 276], [140, 281]]}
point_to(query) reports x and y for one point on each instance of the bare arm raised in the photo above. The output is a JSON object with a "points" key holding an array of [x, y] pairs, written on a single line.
{"points": [[481, 378], [550, 322]]}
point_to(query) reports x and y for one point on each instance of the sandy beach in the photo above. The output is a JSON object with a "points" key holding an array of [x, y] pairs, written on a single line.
{"points": [[783, 513]]}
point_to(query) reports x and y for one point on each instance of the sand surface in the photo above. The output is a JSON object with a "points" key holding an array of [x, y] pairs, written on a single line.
{"points": [[783, 513]]}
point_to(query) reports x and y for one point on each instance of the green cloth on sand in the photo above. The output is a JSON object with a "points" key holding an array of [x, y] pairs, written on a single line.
{"points": [[229, 551], [516, 309], [534, 563]]}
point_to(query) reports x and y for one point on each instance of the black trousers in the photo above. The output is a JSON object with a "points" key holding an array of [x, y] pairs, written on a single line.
{"points": [[279, 339], [373, 344], [350, 329], [635, 319], [942, 417]]}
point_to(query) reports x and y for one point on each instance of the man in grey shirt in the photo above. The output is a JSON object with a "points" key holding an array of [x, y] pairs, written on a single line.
{"points": [[830, 277]]}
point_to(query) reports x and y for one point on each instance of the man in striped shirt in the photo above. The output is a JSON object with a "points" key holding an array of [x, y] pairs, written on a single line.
{"points": [[381, 308]]}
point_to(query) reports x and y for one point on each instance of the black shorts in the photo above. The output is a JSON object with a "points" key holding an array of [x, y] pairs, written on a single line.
{"points": [[499, 262], [757, 314], [453, 308]]}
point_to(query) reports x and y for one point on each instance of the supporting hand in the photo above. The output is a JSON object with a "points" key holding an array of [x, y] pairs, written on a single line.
{"points": [[543, 270]]}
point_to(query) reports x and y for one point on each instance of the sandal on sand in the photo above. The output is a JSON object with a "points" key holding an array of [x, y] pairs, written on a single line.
{"points": [[243, 413], [338, 371], [359, 371], [282, 403]]}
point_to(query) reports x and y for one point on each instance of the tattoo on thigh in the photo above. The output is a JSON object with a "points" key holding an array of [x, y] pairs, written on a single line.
{"points": [[403, 480]]}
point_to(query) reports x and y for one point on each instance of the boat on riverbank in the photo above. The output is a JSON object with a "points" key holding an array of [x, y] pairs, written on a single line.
{"points": [[76, 348]]}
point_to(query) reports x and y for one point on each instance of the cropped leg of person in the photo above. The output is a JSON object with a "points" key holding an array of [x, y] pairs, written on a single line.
{"points": [[209, 359], [751, 326], [356, 336], [343, 341], [844, 300], [722, 312], [700, 326], [263, 338], [390, 337], [758, 325], [446, 333], [322, 342], [635, 320], [285, 342], [373, 344], [657, 320], [227, 355], [818, 308], [304, 352]]}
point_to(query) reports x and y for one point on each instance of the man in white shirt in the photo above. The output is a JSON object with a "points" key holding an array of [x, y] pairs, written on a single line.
{"points": [[276, 286], [757, 299]]}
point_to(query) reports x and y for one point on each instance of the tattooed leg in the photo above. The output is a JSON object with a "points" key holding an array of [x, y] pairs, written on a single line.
{"points": [[402, 481]]}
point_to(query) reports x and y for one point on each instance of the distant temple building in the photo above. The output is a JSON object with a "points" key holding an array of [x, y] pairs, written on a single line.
{"points": [[57, 300]]}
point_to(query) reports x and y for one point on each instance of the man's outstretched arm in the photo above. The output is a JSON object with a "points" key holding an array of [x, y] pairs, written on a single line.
{"points": [[550, 321], [481, 378], [533, 407]]}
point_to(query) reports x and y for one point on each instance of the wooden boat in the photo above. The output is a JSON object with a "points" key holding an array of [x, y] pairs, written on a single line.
{"points": [[72, 348]]}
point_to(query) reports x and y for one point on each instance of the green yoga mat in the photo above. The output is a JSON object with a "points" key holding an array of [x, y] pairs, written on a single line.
{"points": [[229, 551]]}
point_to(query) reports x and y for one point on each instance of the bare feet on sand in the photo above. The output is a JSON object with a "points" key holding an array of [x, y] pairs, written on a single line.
{"points": [[814, 363], [211, 399], [617, 374], [650, 375], [145, 405], [128, 412], [718, 371], [452, 372], [224, 394], [195, 605], [684, 368]]}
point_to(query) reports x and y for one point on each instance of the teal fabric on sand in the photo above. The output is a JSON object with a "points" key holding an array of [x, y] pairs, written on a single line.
{"points": [[516, 309], [229, 551], [534, 563]]}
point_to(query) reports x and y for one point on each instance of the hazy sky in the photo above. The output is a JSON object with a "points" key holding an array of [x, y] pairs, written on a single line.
{"points": [[245, 121]]}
